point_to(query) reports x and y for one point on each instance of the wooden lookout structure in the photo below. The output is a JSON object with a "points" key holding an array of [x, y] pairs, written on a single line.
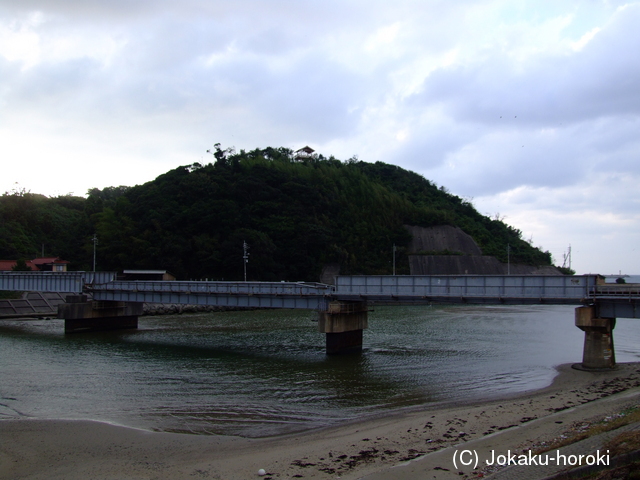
{"points": [[305, 153]]}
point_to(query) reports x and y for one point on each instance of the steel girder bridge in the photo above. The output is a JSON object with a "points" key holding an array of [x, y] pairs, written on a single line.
{"points": [[98, 300]]}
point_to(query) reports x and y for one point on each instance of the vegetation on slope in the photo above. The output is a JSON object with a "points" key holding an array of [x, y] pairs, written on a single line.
{"points": [[30, 223], [296, 217]]}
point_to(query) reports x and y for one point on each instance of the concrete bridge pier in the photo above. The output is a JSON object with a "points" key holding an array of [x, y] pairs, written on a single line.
{"points": [[343, 323], [598, 352], [82, 315]]}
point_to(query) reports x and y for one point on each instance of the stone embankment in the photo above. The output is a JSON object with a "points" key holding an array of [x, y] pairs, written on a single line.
{"points": [[447, 250]]}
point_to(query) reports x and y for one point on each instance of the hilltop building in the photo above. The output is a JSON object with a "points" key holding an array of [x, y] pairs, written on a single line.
{"points": [[305, 153]]}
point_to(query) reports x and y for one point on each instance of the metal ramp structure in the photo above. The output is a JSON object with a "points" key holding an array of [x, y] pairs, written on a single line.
{"points": [[32, 304]]}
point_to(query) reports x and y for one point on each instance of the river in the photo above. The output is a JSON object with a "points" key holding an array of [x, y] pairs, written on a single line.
{"points": [[265, 372]]}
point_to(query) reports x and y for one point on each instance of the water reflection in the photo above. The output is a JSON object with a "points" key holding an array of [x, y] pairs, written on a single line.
{"points": [[265, 372]]}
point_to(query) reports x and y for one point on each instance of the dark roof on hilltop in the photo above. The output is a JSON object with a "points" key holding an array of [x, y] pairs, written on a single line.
{"points": [[306, 149]]}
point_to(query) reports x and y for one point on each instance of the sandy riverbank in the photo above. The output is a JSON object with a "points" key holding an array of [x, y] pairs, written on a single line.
{"points": [[372, 449]]}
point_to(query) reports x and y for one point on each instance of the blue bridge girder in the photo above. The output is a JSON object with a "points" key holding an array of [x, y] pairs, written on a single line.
{"points": [[61, 282], [309, 296], [491, 289]]}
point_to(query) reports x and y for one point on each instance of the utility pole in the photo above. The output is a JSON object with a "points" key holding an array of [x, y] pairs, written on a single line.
{"points": [[567, 258], [394, 259], [245, 257], [508, 259], [95, 242]]}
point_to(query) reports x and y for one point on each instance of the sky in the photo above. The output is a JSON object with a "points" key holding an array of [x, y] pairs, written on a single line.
{"points": [[530, 110]]}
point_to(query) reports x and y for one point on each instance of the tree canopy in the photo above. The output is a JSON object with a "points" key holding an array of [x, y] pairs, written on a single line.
{"points": [[296, 216]]}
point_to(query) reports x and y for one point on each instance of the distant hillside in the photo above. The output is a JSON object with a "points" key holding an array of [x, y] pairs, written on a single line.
{"points": [[296, 216], [31, 223]]}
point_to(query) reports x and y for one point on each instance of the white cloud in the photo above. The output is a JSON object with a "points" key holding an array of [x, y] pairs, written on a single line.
{"points": [[532, 108]]}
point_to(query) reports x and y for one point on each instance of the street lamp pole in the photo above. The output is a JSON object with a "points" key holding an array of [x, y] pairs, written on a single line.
{"points": [[245, 257], [95, 242]]}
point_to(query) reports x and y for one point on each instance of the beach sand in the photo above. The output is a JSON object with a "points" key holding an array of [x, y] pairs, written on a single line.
{"points": [[406, 445]]}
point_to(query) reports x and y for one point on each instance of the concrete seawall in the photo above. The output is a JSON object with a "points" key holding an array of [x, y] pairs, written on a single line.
{"points": [[466, 256]]}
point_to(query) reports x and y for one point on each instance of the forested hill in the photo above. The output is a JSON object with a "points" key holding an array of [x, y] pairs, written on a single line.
{"points": [[295, 215]]}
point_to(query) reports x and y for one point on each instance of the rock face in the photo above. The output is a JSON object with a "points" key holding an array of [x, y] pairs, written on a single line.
{"points": [[329, 272], [467, 258], [471, 265], [455, 265]]}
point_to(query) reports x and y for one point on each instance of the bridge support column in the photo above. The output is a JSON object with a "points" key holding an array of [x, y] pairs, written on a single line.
{"points": [[343, 323], [82, 315], [598, 352]]}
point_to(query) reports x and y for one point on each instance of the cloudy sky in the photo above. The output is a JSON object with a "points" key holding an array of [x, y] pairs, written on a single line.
{"points": [[529, 109]]}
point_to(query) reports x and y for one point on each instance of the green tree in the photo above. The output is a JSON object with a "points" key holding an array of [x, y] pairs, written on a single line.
{"points": [[21, 266]]}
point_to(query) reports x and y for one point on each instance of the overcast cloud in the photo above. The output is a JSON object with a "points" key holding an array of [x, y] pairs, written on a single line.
{"points": [[529, 109]]}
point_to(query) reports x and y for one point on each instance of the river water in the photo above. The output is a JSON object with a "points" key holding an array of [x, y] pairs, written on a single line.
{"points": [[264, 372]]}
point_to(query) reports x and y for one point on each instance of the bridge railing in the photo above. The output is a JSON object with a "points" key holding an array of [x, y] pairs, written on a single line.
{"points": [[618, 290], [516, 288]]}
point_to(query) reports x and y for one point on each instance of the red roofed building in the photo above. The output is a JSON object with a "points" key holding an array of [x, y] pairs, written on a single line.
{"points": [[45, 264]]}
